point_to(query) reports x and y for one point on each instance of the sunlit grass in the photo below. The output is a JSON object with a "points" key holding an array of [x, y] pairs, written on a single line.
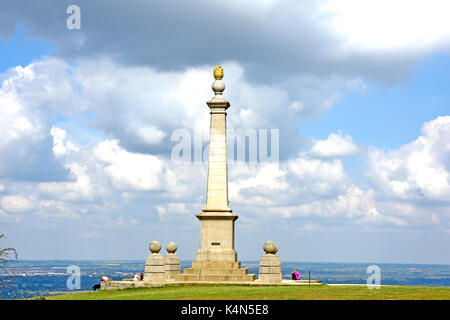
{"points": [[240, 292]]}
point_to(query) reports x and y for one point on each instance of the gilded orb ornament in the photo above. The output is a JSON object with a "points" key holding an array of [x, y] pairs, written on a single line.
{"points": [[218, 72]]}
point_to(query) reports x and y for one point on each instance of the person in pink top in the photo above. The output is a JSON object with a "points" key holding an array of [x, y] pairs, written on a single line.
{"points": [[295, 275]]}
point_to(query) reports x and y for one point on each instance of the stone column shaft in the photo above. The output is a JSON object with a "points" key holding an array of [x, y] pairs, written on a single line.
{"points": [[217, 188]]}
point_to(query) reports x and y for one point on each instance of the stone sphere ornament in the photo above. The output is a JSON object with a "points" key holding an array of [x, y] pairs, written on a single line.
{"points": [[270, 247], [218, 87], [171, 247], [155, 246]]}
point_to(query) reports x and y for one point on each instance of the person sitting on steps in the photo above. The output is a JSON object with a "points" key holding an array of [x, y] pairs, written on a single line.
{"points": [[295, 275]]}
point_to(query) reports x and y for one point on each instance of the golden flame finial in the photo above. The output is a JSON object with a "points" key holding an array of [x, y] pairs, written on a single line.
{"points": [[218, 72]]}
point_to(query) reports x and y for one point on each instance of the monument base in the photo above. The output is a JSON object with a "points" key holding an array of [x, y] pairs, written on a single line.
{"points": [[216, 236], [216, 260], [226, 255], [216, 271]]}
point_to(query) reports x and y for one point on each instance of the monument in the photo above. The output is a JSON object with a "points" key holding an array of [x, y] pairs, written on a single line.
{"points": [[216, 259]]}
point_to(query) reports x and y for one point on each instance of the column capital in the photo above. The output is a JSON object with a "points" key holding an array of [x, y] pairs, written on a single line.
{"points": [[215, 104]]}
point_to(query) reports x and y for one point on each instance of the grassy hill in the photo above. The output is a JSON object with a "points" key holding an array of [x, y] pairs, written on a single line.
{"points": [[241, 292]]}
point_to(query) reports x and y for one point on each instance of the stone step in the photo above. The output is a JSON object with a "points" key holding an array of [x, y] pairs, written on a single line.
{"points": [[225, 271], [216, 264], [306, 281], [215, 277]]}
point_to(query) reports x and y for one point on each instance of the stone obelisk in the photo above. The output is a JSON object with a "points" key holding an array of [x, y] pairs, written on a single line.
{"points": [[216, 259], [216, 220]]}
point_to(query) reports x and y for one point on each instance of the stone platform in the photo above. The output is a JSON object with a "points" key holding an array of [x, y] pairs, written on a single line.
{"points": [[216, 271], [126, 284]]}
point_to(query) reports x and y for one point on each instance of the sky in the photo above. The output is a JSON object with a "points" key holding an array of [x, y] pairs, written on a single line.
{"points": [[359, 91]]}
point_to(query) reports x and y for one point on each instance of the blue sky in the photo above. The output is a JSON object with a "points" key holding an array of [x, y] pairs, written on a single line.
{"points": [[20, 50], [363, 112], [375, 114]]}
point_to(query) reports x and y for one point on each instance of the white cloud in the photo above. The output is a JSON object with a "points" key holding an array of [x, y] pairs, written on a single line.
{"points": [[250, 184], [161, 211], [30, 98], [379, 39], [416, 214], [390, 25], [57, 209], [150, 135], [330, 171], [353, 204], [60, 144], [300, 180], [17, 203], [175, 208], [297, 106], [337, 145], [129, 170], [81, 189], [141, 107], [14, 119], [419, 170]]}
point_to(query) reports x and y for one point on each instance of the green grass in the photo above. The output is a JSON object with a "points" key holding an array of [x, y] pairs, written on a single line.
{"points": [[241, 292]]}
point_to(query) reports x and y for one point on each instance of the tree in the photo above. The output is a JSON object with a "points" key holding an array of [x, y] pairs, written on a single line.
{"points": [[6, 254]]}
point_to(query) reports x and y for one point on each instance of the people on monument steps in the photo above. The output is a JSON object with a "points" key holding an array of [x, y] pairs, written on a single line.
{"points": [[96, 287], [138, 277], [105, 278]]}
